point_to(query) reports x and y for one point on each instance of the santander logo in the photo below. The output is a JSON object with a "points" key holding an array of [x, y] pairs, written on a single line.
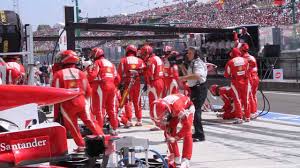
{"points": [[27, 149], [31, 143]]}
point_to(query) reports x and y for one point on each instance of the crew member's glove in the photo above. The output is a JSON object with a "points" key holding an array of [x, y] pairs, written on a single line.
{"points": [[145, 88], [121, 87], [172, 139]]}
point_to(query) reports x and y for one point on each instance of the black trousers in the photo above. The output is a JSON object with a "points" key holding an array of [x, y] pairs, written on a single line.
{"points": [[198, 96]]}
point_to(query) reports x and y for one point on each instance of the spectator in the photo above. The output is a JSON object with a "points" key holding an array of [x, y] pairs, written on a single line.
{"points": [[234, 13], [44, 77]]}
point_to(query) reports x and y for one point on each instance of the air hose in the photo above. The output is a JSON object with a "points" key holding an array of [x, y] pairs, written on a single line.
{"points": [[165, 164], [161, 157], [56, 44], [266, 104]]}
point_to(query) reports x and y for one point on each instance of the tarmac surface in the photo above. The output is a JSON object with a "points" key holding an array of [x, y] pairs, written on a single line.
{"points": [[281, 102], [261, 143], [270, 141]]}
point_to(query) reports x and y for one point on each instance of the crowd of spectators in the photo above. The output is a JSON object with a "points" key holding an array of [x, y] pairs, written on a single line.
{"points": [[233, 13], [146, 16], [191, 14], [42, 31]]}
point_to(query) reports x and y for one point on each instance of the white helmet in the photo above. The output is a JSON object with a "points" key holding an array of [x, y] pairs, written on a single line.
{"points": [[37, 63]]}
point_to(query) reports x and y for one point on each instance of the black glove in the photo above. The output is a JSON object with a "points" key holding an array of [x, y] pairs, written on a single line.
{"points": [[121, 87], [145, 88]]}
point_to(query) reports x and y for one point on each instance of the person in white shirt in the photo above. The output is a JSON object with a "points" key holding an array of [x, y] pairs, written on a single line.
{"points": [[195, 76]]}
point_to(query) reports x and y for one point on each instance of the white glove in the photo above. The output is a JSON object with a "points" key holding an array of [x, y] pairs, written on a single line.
{"points": [[185, 163], [86, 63], [171, 139]]}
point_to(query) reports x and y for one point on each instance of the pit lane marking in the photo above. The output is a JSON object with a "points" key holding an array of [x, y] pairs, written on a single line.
{"points": [[282, 93]]}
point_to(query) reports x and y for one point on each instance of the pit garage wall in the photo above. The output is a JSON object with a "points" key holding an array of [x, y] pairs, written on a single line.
{"points": [[289, 61]]}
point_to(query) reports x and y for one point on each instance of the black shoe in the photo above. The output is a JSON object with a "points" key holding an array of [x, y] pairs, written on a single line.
{"points": [[198, 138], [201, 136], [202, 139]]}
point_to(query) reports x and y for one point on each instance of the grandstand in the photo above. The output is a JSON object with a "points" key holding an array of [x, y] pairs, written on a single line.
{"points": [[188, 14]]}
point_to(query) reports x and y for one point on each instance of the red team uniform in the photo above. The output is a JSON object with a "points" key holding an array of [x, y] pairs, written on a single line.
{"points": [[236, 70], [9, 75], [226, 94], [74, 79], [129, 68], [11, 72], [170, 73], [17, 79], [103, 78], [167, 114], [253, 77], [153, 74]]}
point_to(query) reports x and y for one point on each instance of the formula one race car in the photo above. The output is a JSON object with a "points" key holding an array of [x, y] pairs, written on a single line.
{"points": [[25, 141]]}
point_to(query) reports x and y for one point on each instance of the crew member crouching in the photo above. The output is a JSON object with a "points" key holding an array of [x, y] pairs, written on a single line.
{"points": [[167, 113], [226, 94]]}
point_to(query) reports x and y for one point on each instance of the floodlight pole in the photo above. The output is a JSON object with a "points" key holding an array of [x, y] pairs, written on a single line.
{"points": [[69, 19], [292, 6], [77, 16]]}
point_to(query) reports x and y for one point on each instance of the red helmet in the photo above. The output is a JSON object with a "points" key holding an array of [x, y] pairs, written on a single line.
{"points": [[167, 49], [235, 52], [131, 48], [11, 58], [68, 57], [161, 112], [244, 47], [146, 51], [16, 75], [214, 90], [96, 53]]}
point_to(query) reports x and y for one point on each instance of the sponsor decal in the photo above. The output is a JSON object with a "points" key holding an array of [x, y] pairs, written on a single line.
{"points": [[27, 149], [238, 61], [278, 75], [240, 68], [73, 84], [133, 66], [241, 73], [30, 122]]}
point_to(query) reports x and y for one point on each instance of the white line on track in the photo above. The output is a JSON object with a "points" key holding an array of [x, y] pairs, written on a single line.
{"points": [[282, 93]]}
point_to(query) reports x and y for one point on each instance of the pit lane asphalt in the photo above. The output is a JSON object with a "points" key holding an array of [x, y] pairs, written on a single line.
{"points": [[261, 143], [281, 102]]}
